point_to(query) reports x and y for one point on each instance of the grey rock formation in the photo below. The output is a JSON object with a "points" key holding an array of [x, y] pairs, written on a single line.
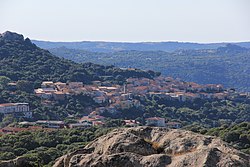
{"points": [[11, 36], [155, 147]]}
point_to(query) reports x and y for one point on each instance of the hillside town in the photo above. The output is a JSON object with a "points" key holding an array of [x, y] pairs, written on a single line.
{"points": [[170, 88], [114, 98]]}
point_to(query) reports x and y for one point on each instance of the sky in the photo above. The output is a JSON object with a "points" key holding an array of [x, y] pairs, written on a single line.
{"points": [[204, 21]]}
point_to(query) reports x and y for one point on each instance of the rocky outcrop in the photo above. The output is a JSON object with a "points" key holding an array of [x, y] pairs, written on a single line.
{"points": [[11, 36], [155, 147]]}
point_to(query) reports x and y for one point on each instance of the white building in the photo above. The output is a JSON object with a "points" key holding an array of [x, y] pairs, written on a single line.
{"points": [[51, 124], [17, 109], [156, 121]]}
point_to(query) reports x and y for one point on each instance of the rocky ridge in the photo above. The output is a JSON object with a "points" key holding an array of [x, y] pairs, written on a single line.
{"points": [[11, 36], [155, 147]]}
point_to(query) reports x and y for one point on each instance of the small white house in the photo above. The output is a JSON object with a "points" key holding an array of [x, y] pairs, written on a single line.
{"points": [[156, 121]]}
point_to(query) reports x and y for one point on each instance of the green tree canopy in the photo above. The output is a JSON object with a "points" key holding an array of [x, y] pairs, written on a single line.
{"points": [[4, 82]]}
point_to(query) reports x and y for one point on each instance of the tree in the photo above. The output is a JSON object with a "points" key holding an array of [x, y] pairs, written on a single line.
{"points": [[7, 120], [231, 136], [4, 82], [120, 78], [25, 86], [7, 155]]}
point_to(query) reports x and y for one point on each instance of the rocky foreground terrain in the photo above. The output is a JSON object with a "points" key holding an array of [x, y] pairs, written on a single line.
{"points": [[149, 147], [155, 147]]}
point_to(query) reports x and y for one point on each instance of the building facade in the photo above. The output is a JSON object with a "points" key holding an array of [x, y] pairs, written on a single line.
{"points": [[16, 109]]}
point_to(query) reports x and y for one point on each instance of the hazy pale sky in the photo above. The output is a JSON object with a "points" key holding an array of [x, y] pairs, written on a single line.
{"points": [[128, 20]]}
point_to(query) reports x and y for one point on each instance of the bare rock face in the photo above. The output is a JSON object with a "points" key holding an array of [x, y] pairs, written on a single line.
{"points": [[155, 147]]}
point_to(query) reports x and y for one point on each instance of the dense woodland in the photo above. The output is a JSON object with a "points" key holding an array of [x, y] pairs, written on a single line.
{"points": [[229, 65], [44, 146], [237, 135], [207, 114]]}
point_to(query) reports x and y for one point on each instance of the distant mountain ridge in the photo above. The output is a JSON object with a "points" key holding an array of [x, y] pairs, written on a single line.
{"points": [[228, 65], [140, 46]]}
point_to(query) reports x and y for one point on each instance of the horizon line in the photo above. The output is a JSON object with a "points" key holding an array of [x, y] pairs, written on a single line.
{"points": [[167, 41], [111, 41]]}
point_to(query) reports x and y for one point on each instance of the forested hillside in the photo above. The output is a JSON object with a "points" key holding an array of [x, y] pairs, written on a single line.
{"points": [[22, 60], [229, 65]]}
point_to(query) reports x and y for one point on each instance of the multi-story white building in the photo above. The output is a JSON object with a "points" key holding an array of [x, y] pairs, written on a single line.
{"points": [[17, 109]]}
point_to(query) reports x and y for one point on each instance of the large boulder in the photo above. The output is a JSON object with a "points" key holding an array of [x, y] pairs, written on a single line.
{"points": [[155, 147]]}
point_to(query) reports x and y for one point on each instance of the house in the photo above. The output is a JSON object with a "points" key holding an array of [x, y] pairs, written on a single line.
{"points": [[191, 96], [97, 117], [45, 93], [141, 89], [131, 123], [156, 121], [80, 125], [60, 85], [74, 85], [58, 90], [60, 96], [173, 125], [107, 88], [47, 84], [86, 119], [49, 93], [51, 124], [214, 87], [19, 110], [91, 119], [98, 123], [25, 123]]}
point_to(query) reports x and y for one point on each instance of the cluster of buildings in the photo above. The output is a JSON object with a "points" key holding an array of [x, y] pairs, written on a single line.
{"points": [[115, 98], [58, 91], [174, 89], [86, 121], [121, 96], [161, 122]]}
